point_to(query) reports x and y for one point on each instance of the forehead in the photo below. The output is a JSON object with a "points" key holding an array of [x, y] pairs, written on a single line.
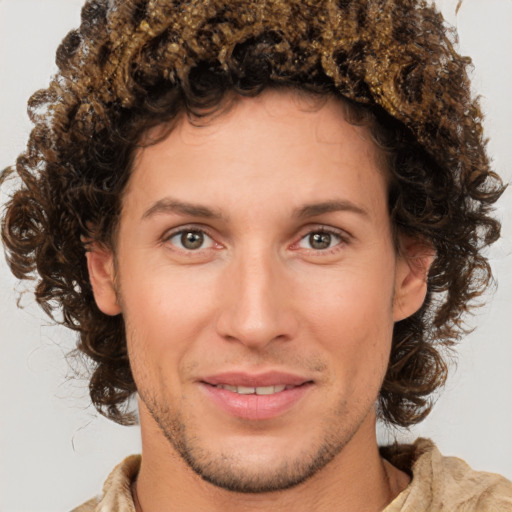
{"points": [[278, 146], [285, 108]]}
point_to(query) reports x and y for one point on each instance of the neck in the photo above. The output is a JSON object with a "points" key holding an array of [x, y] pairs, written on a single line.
{"points": [[356, 479]]}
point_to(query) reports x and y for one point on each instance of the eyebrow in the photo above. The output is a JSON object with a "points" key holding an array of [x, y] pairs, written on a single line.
{"points": [[169, 205], [312, 210]]}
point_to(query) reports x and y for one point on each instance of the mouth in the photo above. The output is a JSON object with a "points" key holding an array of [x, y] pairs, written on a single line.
{"points": [[257, 390], [249, 383], [256, 397]]}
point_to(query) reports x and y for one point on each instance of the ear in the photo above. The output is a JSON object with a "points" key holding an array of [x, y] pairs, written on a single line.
{"points": [[100, 263], [413, 265]]}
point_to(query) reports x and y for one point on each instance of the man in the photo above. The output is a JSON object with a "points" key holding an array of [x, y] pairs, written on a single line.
{"points": [[271, 199]]}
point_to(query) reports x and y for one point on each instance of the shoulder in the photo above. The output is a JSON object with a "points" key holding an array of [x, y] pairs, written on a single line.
{"points": [[445, 483], [88, 506], [116, 493]]}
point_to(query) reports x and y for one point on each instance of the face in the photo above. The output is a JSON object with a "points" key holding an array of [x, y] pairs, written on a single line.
{"points": [[259, 283]]}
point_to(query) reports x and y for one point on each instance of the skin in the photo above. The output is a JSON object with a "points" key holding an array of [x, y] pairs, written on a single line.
{"points": [[257, 295]]}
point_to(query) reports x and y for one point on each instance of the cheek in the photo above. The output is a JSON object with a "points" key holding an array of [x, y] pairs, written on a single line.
{"points": [[164, 313], [352, 316], [356, 299]]}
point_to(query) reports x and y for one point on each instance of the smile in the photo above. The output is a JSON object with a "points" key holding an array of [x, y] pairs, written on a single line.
{"points": [[256, 397], [259, 390]]}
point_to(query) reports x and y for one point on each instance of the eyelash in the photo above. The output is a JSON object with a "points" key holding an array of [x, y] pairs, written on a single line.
{"points": [[190, 229], [343, 239]]}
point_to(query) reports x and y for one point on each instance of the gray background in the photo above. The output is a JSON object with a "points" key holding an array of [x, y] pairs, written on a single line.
{"points": [[55, 451]]}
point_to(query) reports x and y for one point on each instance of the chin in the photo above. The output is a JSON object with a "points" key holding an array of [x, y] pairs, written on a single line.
{"points": [[254, 463], [252, 473]]}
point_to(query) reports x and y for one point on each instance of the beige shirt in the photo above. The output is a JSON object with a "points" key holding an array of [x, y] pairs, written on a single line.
{"points": [[439, 484]]}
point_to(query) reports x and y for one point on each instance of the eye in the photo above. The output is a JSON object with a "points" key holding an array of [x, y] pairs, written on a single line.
{"points": [[191, 240], [320, 240]]}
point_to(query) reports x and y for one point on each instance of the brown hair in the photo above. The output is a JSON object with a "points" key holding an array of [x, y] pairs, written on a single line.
{"points": [[135, 64]]}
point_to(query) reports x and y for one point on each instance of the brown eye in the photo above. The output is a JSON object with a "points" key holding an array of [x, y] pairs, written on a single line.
{"points": [[191, 240], [320, 240]]}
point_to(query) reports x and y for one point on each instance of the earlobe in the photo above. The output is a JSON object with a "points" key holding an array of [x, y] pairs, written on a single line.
{"points": [[413, 265], [100, 264]]}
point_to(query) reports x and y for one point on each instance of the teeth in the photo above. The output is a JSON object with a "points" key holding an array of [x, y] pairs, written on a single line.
{"points": [[242, 390], [260, 390], [265, 390]]}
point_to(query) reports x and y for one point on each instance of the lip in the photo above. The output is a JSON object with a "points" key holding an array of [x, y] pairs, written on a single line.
{"points": [[255, 407], [273, 378]]}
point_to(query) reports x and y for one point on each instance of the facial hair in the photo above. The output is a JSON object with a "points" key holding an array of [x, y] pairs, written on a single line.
{"points": [[227, 471]]}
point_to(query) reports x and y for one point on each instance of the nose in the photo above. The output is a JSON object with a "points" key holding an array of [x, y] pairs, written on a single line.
{"points": [[256, 303]]}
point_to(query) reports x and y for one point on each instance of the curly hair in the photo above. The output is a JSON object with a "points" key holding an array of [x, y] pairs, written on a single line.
{"points": [[136, 64]]}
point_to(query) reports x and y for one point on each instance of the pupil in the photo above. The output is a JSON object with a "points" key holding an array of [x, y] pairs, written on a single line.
{"points": [[192, 239], [320, 240]]}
